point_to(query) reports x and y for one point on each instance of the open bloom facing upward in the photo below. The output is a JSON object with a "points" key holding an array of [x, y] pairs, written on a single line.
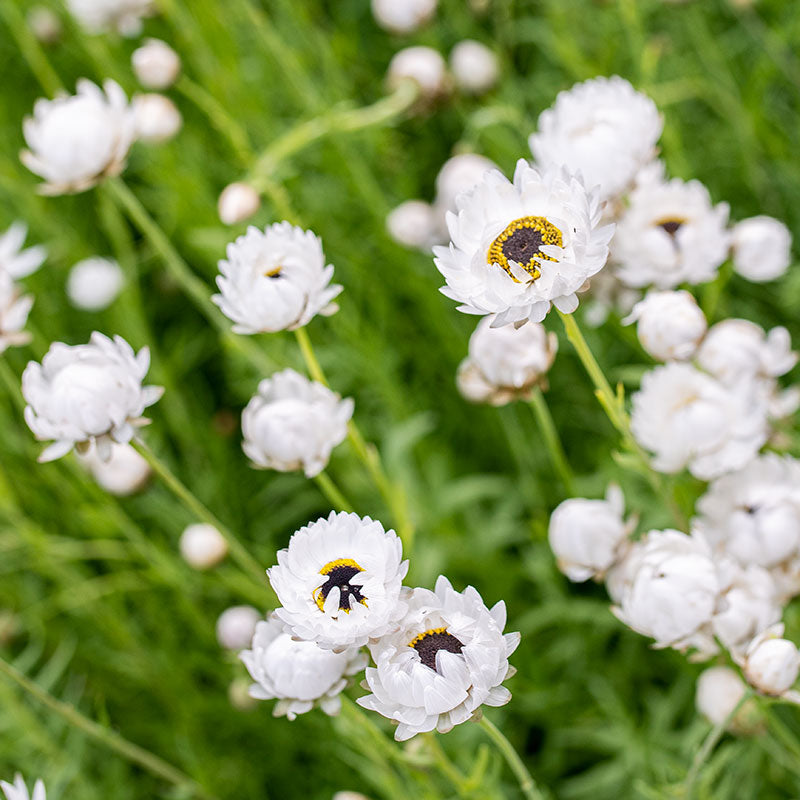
{"points": [[88, 393], [299, 675], [761, 248], [76, 140], [518, 248], [294, 423], [603, 129], [19, 791], [447, 658], [14, 261], [275, 280], [123, 16], [339, 581]]}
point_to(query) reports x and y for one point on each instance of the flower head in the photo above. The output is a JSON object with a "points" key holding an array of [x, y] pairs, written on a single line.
{"points": [[236, 627], [448, 657], [124, 473], [719, 691], [19, 791], [123, 16], [299, 675], [156, 64], [413, 224], [275, 280], [475, 67], [14, 310], [425, 67], [339, 581], [403, 16], [202, 545], [77, 140], [762, 248], [771, 664], [516, 248], [157, 118], [294, 423], [603, 129], [88, 393], [94, 283], [237, 202], [14, 261]]}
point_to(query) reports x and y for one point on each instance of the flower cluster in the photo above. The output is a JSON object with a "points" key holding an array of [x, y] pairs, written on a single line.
{"points": [[439, 655]]}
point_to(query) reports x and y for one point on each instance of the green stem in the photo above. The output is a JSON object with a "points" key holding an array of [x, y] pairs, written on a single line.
{"points": [[550, 435], [332, 492], [111, 739], [237, 550], [526, 783]]}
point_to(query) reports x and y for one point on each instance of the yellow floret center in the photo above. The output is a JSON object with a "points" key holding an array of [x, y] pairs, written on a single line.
{"points": [[521, 242]]}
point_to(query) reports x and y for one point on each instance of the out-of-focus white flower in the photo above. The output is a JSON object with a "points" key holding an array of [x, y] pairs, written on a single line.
{"points": [[771, 664], [157, 118], [474, 67], [349, 796], [423, 65], [236, 627], [719, 691], [505, 363], [607, 293], [413, 224], [672, 589], [518, 248], [602, 128], [275, 280], [123, 16], [77, 140], [298, 674], [202, 546], [15, 261], [448, 658], [125, 472], [44, 24], [670, 233], [459, 174], [689, 419], [762, 248], [294, 423], [403, 16], [95, 283], [237, 202], [19, 791], [156, 64], [339, 581], [588, 537], [14, 310], [87, 394], [670, 324]]}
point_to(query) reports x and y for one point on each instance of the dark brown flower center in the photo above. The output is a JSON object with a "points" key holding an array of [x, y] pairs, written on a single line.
{"points": [[522, 243], [428, 644], [671, 226], [339, 573]]}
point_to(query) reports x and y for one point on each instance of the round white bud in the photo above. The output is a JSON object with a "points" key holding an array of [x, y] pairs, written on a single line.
{"points": [[202, 546], [94, 283], [236, 626], [156, 64], [424, 66], [474, 66], [156, 117], [403, 16], [719, 691], [761, 248], [772, 664], [237, 202], [412, 224]]}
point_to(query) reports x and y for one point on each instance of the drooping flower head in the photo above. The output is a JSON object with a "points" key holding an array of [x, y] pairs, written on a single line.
{"points": [[448, 657], [19, 791], [518, 248], [77, 140], [339, 581], [294, 423], [14, 261], [275, 280], [88, 393], [123, 16]]}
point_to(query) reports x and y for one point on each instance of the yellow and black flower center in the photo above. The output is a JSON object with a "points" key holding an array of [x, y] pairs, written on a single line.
{"points": [[521, 242], [428, 644], [339, 573], [273, 272], [671, 225]]}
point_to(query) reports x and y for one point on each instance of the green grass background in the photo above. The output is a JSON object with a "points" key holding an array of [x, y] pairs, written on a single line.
{"points": [[108, 618]]}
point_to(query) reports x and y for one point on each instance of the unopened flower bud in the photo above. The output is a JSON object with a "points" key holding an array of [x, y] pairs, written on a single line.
{"points": [[156, 117], [44, 24], [94, 283], [412, 224], [761, 248], [156, 64], [719, 691], [403, 16], [202, 546], [238, 202], [236, 626], [425, 67], [123, 474], [772, 664], [474, 67]]}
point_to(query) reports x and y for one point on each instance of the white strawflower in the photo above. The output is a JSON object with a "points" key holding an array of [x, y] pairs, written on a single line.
{"points": [[14, 310], [87, 394], [588, 537], [413, 224], [77, 140], [95, 283], [448, 658], [771, 664], [293, 423], [236, 627], [753, 514], [19, 791], [474, 66], [719, 691], [672, 590], [156, 117], [15, 261], [516, 248], [339, 581], [670, 325], [100, 16], [762, 248], [403, 16], [237, 202], [275, 280], [156, 64], [505, 363], [689, 419], [670, 233], [424, 66], [125, 472], [603, 129], [299, 675], [202, 545]]}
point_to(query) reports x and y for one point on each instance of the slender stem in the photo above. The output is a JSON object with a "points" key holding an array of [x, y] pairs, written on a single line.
{"points": [[310, 358], [106, 736], [550, 435], [715, 734], [332, 492], [237, 550], [526, 783]]}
